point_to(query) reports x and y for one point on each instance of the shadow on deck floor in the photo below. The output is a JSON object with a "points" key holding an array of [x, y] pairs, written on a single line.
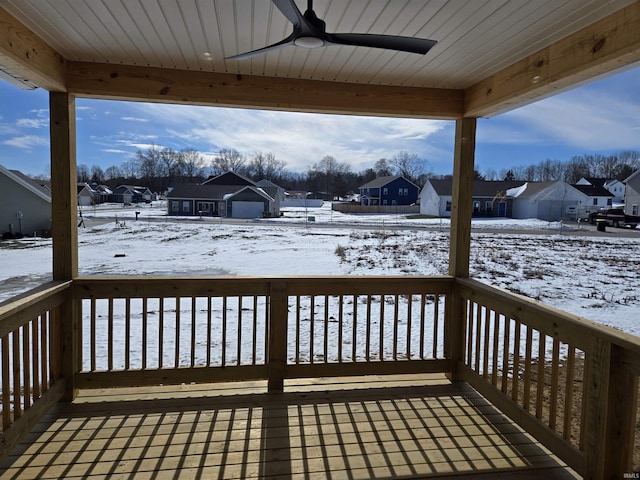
{"points": [[372, 427]]}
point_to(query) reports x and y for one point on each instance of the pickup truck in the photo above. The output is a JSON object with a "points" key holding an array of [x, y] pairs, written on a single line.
{"points": [[614, 217]]}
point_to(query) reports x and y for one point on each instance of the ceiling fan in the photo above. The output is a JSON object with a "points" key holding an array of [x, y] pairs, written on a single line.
{"points": [[310, 32]]}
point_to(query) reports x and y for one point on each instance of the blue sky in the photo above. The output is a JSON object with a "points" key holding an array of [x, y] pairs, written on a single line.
{"points": [[598, 118]]}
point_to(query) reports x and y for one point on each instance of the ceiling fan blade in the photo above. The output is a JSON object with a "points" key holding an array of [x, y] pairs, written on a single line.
{"points": [[286, 42], [290, 10], [390, 42]]}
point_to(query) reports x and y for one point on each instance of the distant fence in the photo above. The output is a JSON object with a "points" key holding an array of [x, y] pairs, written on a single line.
{"points": [[356, 208], [301, 202]]}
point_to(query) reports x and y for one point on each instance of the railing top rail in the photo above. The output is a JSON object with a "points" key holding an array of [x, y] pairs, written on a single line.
{"points": [[19, 310], [579, 327], [135, 286]]}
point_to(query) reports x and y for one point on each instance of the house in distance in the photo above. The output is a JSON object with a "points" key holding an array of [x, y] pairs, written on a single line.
{"points": [[389, 190], [226, 195]]}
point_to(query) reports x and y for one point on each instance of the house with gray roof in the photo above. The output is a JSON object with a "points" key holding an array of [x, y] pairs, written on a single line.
{"points": [[550, 201], [227, 195], [389, 190], [25, 205], [489, 198]]}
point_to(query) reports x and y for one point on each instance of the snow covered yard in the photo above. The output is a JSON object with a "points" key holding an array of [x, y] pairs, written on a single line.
{"points": [[594, 277]]}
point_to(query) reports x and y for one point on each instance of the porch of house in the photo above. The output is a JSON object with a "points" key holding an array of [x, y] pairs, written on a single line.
{"points": [[410, 426], [343, 377]]}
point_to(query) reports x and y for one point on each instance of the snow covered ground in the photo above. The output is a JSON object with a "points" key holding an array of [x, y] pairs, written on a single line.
{"points": [[596, 277]]}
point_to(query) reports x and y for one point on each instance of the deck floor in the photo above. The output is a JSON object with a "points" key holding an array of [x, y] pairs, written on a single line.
{"points": [[378, 427]]}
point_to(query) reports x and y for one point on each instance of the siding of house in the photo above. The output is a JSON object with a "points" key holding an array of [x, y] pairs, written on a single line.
{"points": [[35, 210], [632, 194], [246, 195], [389, 191]]}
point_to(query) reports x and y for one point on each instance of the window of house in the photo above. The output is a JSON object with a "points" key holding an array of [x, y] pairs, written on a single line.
{"points": [[609, 201], [393, 202], [634, 210], [385, 191], [384, 202], [476, 207], [185, 207], [595, 201], [400, 190], [406, 192], [488, 206], [448, 207], [175, 206]]}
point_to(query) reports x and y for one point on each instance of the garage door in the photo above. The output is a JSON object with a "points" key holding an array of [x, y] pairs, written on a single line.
{"points": [[247, 209]]}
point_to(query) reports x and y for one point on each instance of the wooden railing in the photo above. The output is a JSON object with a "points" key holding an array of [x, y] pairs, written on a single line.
{"points": [[161, 330], [30, 379], [569, 382]]}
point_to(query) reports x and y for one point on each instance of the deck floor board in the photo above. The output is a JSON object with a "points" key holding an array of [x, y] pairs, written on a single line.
{"points": [[376, 427]]}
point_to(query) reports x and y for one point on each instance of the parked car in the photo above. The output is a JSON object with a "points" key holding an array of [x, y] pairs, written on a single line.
{"points": [[614, 217]]}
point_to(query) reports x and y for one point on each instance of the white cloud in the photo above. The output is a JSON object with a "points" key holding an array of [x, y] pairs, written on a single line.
{"points": [[134, 119], [32, 122], [27, 142], [596, 117], [297, 138]]}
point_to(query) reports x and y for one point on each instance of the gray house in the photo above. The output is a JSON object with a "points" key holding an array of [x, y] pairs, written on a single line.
{"points": [[632, 194], [227, 195], [25, 205]]}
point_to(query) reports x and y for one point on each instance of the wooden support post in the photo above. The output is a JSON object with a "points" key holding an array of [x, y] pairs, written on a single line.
{"points": [[278, 319], [460, 237], [64, 225], [610, 415]]}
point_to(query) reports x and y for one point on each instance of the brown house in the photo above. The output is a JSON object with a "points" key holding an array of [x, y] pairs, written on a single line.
{"points": [[505, 386]]}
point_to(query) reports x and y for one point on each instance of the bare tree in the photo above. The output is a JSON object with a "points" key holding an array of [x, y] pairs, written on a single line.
{"points": [[97, 174], [329, 176], [228, 160], [112, 173], [149, 167], [191, 163], [82, 172], [265, 166], [409, 165], [383, 168]]}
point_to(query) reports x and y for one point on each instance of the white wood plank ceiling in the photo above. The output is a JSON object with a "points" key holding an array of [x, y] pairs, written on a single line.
{"points": [[476, 38]]}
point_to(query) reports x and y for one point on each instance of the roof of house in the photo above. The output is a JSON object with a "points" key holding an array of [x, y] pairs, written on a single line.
{"points": [[257, 190], [202, 191], [481, 188], [594, 190], [36, 186], [632, 176], [382, 181], [229, 178]]}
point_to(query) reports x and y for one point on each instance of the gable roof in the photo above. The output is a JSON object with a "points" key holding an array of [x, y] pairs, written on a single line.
{"points": [[481, 188], [229, 178], [257, 190], [632, 176], [30, 184], [382, 181], [594, 190], [201, 191]]}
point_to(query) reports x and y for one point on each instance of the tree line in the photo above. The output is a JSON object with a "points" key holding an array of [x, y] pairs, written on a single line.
{"points": [[161, 168], [617, 166]]}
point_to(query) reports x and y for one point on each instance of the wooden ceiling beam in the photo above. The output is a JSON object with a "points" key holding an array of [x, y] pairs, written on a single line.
{"points": [[121, 82], [25, 55], [608, 45]]}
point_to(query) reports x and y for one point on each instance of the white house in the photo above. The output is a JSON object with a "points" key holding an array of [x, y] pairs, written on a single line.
{"points": [[549, 201], [632, 194], [489, 198], [614, 187]]}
